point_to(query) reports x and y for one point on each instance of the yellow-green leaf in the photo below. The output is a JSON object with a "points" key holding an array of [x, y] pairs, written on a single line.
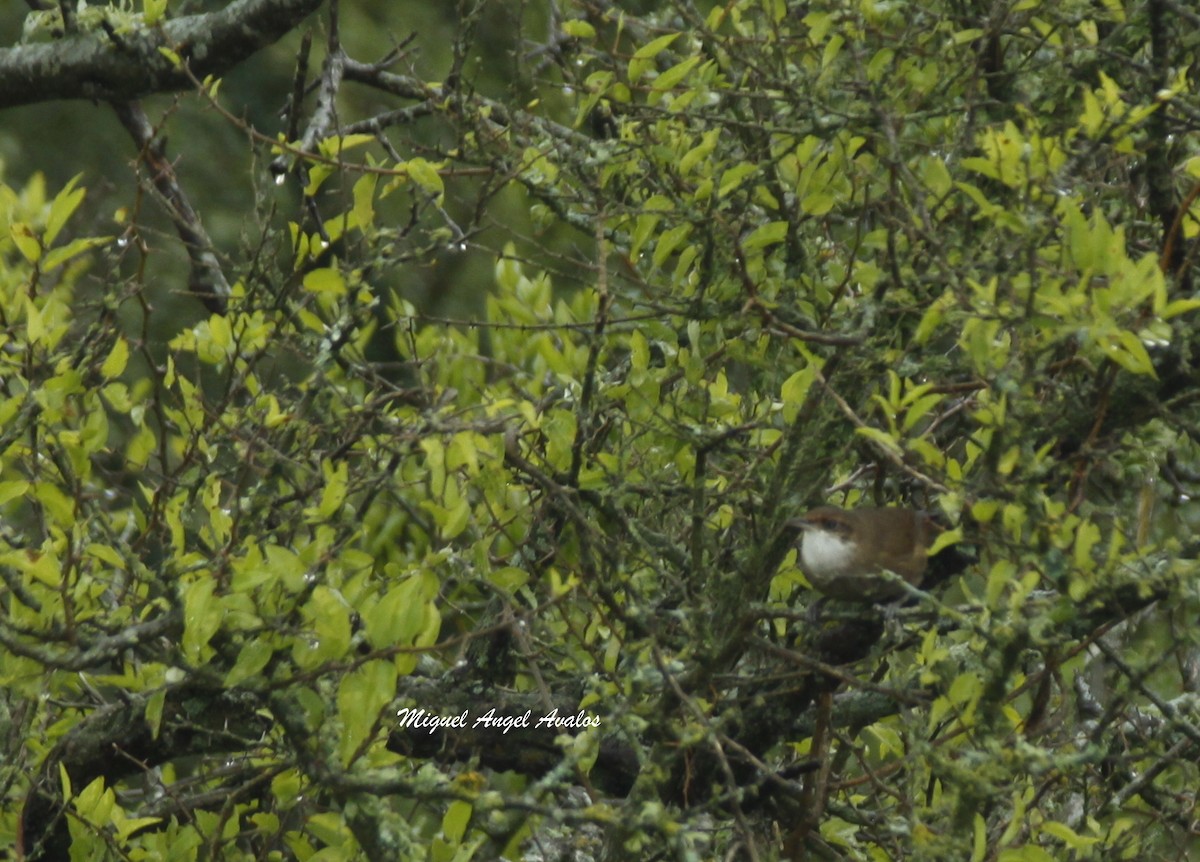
{"points": [[12, 490], [454, 823], [795, 389], [1125, 348], [363, 214], [578, 29], [117, 358], [65, 203], [201, 617], [361, 696], [58, 256], [426, 175], [675, 74], [153, 10], [400, 615], [884, 439], [768, 234], [643, 57], [252, 658], [27, 242]]}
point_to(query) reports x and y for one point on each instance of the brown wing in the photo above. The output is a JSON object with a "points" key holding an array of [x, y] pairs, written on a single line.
{"points": [[909, 559]]}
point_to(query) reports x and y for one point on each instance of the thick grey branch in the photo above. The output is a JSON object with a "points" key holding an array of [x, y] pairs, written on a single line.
{"points": [[126, 66]]}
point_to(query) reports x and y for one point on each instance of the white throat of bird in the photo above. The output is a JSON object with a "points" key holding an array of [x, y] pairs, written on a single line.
{"points": [[827, 554]]}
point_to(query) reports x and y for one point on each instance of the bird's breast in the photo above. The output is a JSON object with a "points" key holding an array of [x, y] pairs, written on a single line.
{"points": [[826, 555]]}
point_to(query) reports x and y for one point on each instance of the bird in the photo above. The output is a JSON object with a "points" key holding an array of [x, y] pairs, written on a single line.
{"points": [[844, 552]]}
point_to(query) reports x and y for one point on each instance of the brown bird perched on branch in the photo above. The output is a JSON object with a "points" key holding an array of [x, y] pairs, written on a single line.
{"points": [[843, 552]]}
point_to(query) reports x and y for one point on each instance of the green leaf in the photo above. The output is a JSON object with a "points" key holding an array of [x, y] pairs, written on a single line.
{"points": [[1087, 535], [932, 319], [456, 520], [1028, 853], [669, 241], [117, 359], [698, 153], [58, 256], [12, 490], [655, 47], [965, 688], [1068, 836], [333, 494], [153, 11], [644, 227], [1125, 348], [765, 235], [945, 539], [201, 617], [94, 803], [27, 241], [425, 174], [794, 391], [335, 145], [675, 74], [1008, 461], [454, 823], [979, 844], [817, 204], [509, 578], [643, 57], [578, 29], [326, 280], [363, 212], [317, 174], [65, 203], [361, 696], [126, 826], [735, 176], [1176, 307], [929, 453], [884, 439], [252, 658], [220, 334], [140, 447], [880, 63], [919, 408], [328, 634], [402, 613], [832, 48]]}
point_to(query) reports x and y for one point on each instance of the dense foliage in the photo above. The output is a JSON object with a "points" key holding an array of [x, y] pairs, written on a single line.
{"points": [[334, 568]]}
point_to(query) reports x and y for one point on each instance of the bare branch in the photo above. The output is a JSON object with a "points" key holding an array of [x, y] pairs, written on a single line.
{"points": [[207, 280]]}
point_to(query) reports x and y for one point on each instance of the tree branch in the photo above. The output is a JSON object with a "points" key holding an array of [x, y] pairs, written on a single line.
{"points": [[207, 280], [97, 65]]}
